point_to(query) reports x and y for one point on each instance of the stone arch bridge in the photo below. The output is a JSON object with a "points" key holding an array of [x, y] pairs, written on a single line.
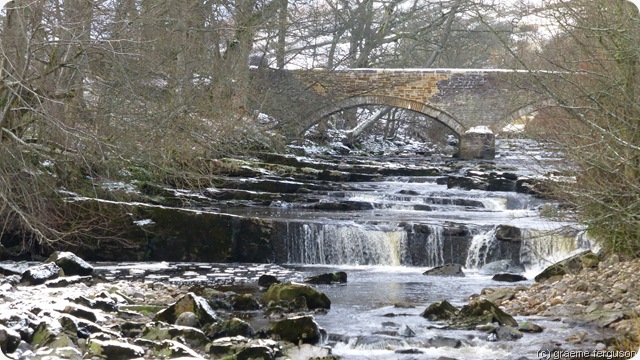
{"points": [[461, 99]]}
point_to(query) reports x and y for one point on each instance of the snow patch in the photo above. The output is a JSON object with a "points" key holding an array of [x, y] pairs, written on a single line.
{"points": [[144, 222], [479, 130]]}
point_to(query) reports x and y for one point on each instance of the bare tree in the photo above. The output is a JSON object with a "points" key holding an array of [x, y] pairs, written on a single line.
{"points": [[596, 120]]}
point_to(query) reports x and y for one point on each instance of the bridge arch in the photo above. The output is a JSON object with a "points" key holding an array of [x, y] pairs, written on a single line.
{"points": [[523, 111], [428, 110]]}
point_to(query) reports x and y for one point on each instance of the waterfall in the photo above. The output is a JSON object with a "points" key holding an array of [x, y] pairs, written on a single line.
{"points": [[535, 248], [434, 246], [482, 245], [345, 244], [542, 248]]}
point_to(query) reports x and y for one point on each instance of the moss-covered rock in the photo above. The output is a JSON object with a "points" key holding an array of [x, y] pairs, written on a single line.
{"points": [[193, 337], [583, 260], [51, 334], [231, 327], [290, 291], [167, 349], [298, 329], [482, 311], [241, 348], [244, 302], [441, 310], [114, 350], [188, 303], [328, 278]]}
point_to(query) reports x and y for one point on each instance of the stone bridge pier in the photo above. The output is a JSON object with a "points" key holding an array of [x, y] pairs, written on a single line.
{"points": [[474, 103]]}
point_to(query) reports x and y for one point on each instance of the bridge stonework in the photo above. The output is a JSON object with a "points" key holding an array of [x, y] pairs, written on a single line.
{"points": [[458, 98]]}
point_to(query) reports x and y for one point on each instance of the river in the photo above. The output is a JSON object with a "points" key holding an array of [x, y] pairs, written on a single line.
{"points": [[402, 226]]}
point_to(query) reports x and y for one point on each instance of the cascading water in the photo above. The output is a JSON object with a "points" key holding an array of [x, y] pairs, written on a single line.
{"points": [[345, 244], [481, 247], [535, 249], [435, 246], [542, 248]]}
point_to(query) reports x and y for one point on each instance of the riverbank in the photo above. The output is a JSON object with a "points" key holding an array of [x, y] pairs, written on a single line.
{"points": [[605, 296], [115, 311]]}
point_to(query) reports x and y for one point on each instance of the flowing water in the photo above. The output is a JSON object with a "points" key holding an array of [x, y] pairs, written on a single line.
{"points": [[413, 224], [406, 226]]}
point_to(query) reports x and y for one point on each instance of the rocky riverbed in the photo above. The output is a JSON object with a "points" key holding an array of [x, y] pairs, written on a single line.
{"points": [[68, 309]]}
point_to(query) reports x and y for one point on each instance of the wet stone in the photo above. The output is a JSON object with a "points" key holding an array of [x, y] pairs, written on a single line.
{"points": [[39, 274], [114, 350], [13, 268], [297, 329], [508, 277], [446, 270], [9, 339], [188, 303], [70, 263], [266, 280], [328, 278]]}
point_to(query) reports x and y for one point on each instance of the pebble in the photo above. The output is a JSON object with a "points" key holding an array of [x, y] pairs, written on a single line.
{"points": [[592, 290]]}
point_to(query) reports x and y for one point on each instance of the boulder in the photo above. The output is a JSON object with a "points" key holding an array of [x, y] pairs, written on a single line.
{"points": [[290, 291], [482, 311], [188, 318], [531, 186], [529, 327], [446, 270], [244, 302], [298, 329], [13, 268], [70, 263], [241, 348], [501, 184], [52, 334], [378, 342], [193, 337], [441, 310], [328, 278], [500, 295], [508, 233], [308, 351], [81, 312], [467, 183], [114, 350], [84, 328], [230, 328], [441, 341], [506, 333], [51, 353], [9, 339], [188, 303], [575, 263], [278, 308], [167, 349], [508, 277], [266, 280], [39, 274]]}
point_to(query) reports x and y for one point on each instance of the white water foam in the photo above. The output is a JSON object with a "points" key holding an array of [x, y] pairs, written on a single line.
{"points": [[351, 244]]}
